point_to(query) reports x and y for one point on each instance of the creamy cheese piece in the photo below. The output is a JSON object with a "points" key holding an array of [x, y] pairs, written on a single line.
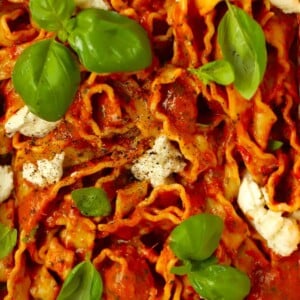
{"points": [[45, 172], [287, 6], [296, 215], [6, 182], [281, 233], [159, 162], [28, 124], [92, 3]]}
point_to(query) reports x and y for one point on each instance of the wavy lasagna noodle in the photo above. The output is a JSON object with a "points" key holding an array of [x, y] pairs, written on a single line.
{"points": [[115, 119]]}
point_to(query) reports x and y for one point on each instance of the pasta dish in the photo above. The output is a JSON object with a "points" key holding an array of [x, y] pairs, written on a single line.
{"points": [[158, 143]]}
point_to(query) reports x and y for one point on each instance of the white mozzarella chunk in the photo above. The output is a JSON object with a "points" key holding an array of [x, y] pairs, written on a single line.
{"points": [[296, 215], [287, 6], [92, 3], [28, 124], [268, 223], [6, 182], [287, 238], [45, 172], [159, 162], [251, 196], [282, 234]]}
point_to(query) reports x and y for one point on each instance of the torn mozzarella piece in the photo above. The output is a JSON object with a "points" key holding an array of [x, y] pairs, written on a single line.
{"points": [[6, 182], [45, 172], [28, 124], [287, 6], [251, 197], [92, 3], [296, 215], [281, 233], [287, 238], [158, 163]]}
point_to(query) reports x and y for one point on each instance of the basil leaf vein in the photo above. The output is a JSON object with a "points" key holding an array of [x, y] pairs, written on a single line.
{"points": [[243, 45], [52, 78], [83, 282], [51, 14]]}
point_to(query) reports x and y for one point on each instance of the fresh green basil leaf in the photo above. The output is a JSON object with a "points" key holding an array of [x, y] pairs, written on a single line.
{"points": [[92, 201], [218, 282], [243, 45], [219, 71], [274, 145], [82, 283], [51, 14], [197, 237], [8, 240], [47, 77], [106, 41]]}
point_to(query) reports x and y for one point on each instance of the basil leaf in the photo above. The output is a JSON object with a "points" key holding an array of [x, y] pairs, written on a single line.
{"points": [[92, 201], [274, 145], [47, 77], [197, 237], [217, 282], [219, 71], [51, 14], [8, 240], [109, 42], [82, 283], [243, 45]]}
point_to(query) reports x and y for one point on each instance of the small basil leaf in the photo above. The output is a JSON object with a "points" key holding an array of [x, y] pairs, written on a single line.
{"points": [[8, 240], [220, 282], [274, 145], [83, 282], [243, 45], [109, 42], [47, 77], [92, 201], [197, 237], [219, 71], [51, 14]]}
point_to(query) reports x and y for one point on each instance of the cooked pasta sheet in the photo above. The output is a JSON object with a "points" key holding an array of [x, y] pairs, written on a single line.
{"points": [[163, 146]]}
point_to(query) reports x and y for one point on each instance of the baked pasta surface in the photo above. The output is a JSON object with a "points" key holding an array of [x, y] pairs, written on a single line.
{"points": [[219, 141]]}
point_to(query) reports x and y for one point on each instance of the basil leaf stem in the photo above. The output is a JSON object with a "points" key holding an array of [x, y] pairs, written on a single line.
{"points": [[243, 45], [51, 14], [52, 77], [8, 240], [83, 282], [219, 71], [92, 201], [197, 237], [193, 242]]}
